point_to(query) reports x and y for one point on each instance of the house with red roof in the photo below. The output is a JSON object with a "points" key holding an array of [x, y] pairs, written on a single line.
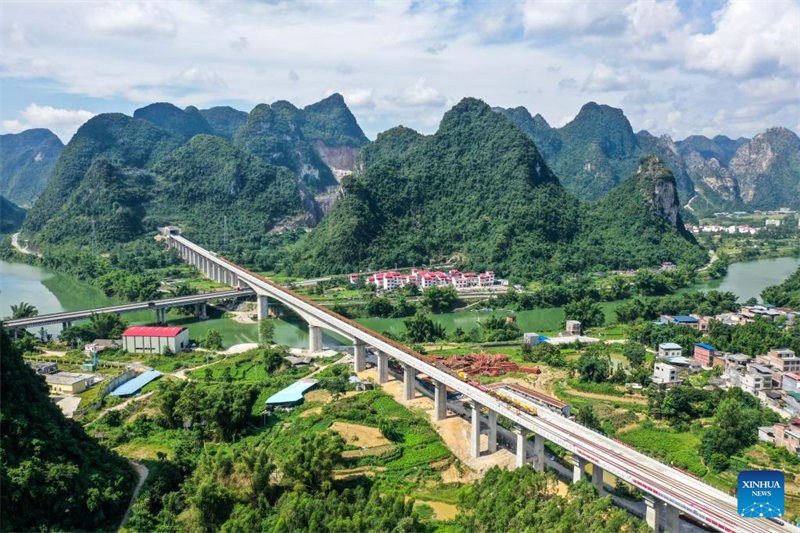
{"points": [[155, 339]]}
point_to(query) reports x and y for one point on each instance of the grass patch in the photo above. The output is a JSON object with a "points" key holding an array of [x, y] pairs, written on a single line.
{"points": [[679, 449]]}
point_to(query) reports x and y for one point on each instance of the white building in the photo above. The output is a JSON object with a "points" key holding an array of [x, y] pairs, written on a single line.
{"points": [[756, 378], [669, 349], [664, 374], [791, 382], [155, 339]]}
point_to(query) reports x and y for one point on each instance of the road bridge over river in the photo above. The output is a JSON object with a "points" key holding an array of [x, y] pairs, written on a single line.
{"points": [[66, 318], [667, 490]]}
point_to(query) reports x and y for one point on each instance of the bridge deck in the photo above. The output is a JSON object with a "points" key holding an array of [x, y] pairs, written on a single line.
{"points": [[70, 316], [705, 503]]}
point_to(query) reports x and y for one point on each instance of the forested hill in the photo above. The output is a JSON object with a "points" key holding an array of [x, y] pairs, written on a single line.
{"points": [[597, 150], [120, 176], [639, 222], [26, 162], [53, 476], [11, 216], [479, 192]]}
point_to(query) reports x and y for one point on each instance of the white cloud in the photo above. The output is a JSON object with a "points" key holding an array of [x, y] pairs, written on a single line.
{"points": [[360, 99], [198, 78], [62, 122], [420, 94], [749, 38], [139, 19], [572, 16], [603, 78], [636, 54]]}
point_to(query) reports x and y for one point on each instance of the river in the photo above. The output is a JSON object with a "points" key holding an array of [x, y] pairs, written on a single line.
{"points": [[51, 292]]}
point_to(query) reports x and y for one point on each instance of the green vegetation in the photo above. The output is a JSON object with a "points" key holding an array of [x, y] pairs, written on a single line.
{"points": [[23, 310], [596, 151], [479, 191], [53, 475], [11, 216], [525, 500], [786, 294], [26, 161], [753, 338]]}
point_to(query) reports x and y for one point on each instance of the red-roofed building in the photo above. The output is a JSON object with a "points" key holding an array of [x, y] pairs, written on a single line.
{"points": [[155, 339]]}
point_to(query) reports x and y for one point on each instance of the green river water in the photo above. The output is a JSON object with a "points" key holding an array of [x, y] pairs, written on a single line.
{"points": [[51, 292]]}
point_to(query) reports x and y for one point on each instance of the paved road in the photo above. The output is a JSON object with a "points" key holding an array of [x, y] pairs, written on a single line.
{"points": [[142, 472], [23, 249]]}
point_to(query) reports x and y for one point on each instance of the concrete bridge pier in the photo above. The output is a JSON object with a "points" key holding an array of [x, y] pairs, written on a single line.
{"points": [[538, 452], [409, 382], [359, 356], [263, 306], [65, 325], [492, 431], [475, 434], [597, 479], [439, 400], [383, 367], [652, 513], [314, 338], [200, 311], [521, 452], [578, 468]]}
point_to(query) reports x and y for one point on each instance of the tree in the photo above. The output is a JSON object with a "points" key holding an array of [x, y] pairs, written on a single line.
{"points": [[420, 328], [23, 310], [635, 353], [734, 428], [594, 366], [212, 340], [309, 465], [546, 353], [272, 359], [380, 307], [266, 331], [437, 299], [588, 418], [589, 313]]}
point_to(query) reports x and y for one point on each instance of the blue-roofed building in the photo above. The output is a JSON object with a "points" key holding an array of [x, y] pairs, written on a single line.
{"points": [[704, 354], [135, 385], [292, 395], [681, 320]]}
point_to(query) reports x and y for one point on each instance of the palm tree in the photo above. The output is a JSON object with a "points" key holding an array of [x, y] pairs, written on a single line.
{"points": [[23, 310]]}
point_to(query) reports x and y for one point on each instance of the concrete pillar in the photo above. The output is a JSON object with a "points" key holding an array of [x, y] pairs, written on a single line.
{"points": [[409, 382], [538, 453], [203, 311], [578, 468], [597, 479], [314, 338], [359, 356], [652, 511], [263, 306], [672, 518], [383, 367], [521, 446], [439, 400], [475, 434], [492, 431]]}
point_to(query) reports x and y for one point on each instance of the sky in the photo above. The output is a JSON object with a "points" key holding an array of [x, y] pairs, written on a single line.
{"points": [[677, 67]]}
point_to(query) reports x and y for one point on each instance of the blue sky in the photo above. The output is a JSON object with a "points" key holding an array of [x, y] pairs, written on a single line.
{"points": [[674, 67]]}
